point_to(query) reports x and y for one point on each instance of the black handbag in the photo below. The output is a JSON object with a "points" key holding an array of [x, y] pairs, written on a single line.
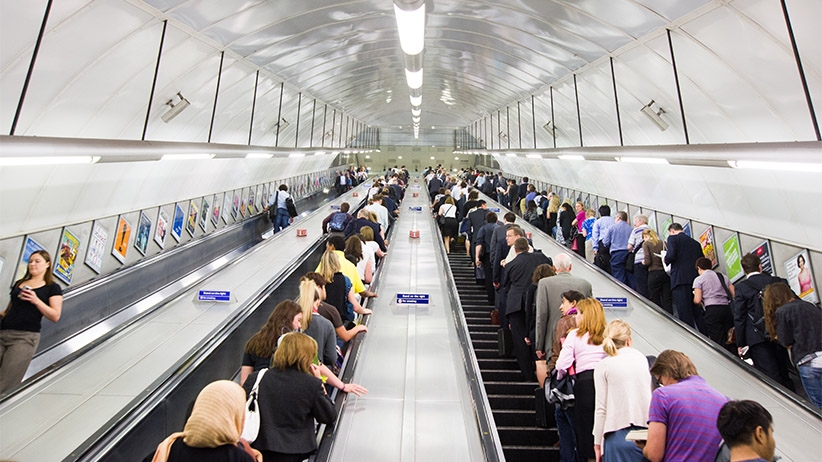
{"points": [[541, 406], [292, 209], [630, 260], [505, 343]]}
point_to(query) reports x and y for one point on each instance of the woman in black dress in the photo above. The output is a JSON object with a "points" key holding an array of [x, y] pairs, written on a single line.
{"points": [[449, 223], [33, 297]]}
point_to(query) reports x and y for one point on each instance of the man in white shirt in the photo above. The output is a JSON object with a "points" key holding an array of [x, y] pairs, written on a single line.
{"points": [[379, 210], [280, 217]]}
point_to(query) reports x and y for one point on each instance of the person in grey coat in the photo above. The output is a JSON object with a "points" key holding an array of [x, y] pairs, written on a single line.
{"points": [[549, 299]]}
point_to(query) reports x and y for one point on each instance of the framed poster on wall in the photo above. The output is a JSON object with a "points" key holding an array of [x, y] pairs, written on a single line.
{"points": [[686, 228], [191, 223], [235, 207], [177, 224], [800, 277], [763, 251], [162, 228], [143, 233], [706, 240], [96, 247], [215, 211], [733, 257], [663, 230], [226, 206], [243, 202], [29, 248], [66, 256], [204, 213], [121, 237]]}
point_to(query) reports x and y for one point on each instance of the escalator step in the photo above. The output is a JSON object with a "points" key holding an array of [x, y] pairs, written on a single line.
{"points": [[504, 376], [514, 417], [514, 388], [498, 364], [526, 436], [530, 453], [511, 401]]}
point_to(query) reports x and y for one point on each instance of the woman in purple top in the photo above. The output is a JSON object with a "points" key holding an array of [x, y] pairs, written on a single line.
{"points": [[682, 418]]}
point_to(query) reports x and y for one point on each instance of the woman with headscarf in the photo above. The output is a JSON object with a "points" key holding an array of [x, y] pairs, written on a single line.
{"points": [[213, 430]]}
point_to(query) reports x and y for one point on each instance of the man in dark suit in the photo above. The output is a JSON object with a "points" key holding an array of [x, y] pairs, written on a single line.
{"points": [[683, 252], [434, 186], [749, 324], [482, 252], [523, 188], [517, 282]]}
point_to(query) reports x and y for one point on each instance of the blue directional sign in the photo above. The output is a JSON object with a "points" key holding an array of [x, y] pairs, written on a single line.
{"points": [[415, 209], [214, 296], [413, 299], [335, 207], [613, 302], [493, 209]]}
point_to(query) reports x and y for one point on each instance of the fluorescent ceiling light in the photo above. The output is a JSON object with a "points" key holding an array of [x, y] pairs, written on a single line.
{"points": [[411, 27], [415, 100], [416, 112], [258, 155], [643, 160], [414, 79], [187, 157], [432, 157], [367, 157], [533, 156], [781, 166], [297, 154], [510, 154], [399, 157], [456, 158], [571, 157], [319, 153], [52, 160], [415, 119]]}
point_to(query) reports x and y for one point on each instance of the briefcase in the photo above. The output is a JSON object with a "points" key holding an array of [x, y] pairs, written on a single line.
{"points": [[505, 343], [542, 408]]}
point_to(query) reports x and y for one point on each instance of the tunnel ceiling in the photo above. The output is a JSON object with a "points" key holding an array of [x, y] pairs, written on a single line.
{"points": [[479, 55]]}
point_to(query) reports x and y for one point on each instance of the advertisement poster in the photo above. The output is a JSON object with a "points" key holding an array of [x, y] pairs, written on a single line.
{"points": [[800, 277], [96, 247], [66, 256], [663, 231], [226, 206], [30, 247], [706, 240], [686, 228], [204, 213], [250, 203], [162, 227], [264, 198], [121, 236], [243, 201], [733, 257], [177, 224], [191, 223], [143, 233], [652, 219], [764, 254], [235, 207], [215, 212]]}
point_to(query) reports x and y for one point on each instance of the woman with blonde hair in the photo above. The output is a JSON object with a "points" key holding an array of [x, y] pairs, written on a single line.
{"points": [[317, 327], [551, 215], [659, 283], [623, 395], [583, 350], [291, 397], [213, 430], [339, 289]]}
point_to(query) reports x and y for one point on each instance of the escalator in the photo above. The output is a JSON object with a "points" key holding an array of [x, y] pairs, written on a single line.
{"points": [[511, 399]]}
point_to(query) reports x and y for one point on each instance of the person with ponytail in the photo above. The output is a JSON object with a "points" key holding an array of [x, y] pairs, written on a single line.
{"points": [[623, 395], [213, 431], [317, 327], [582, 349]]}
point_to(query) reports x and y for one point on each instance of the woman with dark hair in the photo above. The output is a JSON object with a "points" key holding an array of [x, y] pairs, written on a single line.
{"points": [[213, 430], [354, 254], [566, 218], [33, 297], [286, 317], [580, 237], [291, 397], [531, 213], [797, 325], [449, 224]]}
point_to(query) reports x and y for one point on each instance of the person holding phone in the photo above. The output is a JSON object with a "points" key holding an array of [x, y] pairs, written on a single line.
{"points": [[33, 296]]}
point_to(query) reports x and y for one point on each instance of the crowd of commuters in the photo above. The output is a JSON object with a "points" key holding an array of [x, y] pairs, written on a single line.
{"points": [[559, 329], [291, 364]]}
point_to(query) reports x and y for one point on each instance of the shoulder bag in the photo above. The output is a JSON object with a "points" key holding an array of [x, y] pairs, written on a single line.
{"points": [[252, 411], [730, 336]]}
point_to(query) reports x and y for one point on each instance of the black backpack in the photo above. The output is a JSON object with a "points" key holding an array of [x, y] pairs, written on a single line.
{"points": [[757, 315], [337, 222]]}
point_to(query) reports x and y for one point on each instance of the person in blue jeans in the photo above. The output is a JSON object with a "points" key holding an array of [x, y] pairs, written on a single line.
{"points": [[567, 435], [281, 219]]}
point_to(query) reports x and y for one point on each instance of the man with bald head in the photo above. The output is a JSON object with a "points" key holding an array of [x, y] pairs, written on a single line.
{"points": [[549, 299]]}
